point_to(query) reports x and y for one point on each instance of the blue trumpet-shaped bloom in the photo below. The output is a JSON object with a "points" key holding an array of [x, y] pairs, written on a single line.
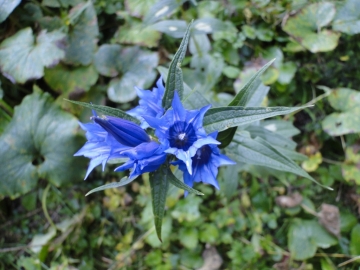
{"points": [[146, 157], [150, 103], [100, 146], [205, 165], [125, 132], [181, 132]]}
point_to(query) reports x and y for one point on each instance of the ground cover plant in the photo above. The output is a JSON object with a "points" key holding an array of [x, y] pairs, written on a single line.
{"points": [[261, 213]]}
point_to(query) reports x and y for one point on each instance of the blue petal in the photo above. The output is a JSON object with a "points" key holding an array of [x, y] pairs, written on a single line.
{"points": [[125, 132], [141, 151], [179, 111]]}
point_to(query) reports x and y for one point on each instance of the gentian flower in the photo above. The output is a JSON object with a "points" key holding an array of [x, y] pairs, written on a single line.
{"points": [[124, 131], [146, 157], [205, 165], [150, 103], [181, 132], [100, 146]]}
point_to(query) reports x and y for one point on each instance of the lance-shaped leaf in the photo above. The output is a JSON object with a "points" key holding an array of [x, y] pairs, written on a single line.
{"points": [[124, 181], [174, 79], [247, 93], [22, 59], [249, 89], [177, 183], [259, 152], [222, 118], [159, 182], [107, 110], [38, 143]]}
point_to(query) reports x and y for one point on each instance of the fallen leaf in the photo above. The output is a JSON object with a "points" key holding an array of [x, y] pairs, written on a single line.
{"points": [[289, 201], [212, 259], [329, 218]]}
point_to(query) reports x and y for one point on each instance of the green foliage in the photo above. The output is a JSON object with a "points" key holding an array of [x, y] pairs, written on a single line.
{"points": [[23, 59], [95, 52], [38, 144]]}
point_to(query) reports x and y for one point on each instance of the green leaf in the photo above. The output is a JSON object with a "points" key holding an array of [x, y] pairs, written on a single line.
{"points": [[226, 137], [161, 9], [139, 8], [40, 240], [39, 143], [22, 58], [348, 121], [189, 237], [249, 89], [82, 36], [347, 221], [305, 236], [6, 7], [281, 127], [124, 181], [106, 60], [60, 3], [173, 28], [305, 27], [247, 93], [354, 240], [176, 182], [159, 182], [208, 26], [287, 72], [259, 152], [222, 118], [271, 137], [65, 79], [107, 110], [136, 34], [174, 79], [195, 100], [138, 69], [347, 18]]}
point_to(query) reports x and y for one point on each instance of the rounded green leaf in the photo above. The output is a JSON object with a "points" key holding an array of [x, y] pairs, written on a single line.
{"points": [[65, 79], [189, 237], [305, 236], [82, 36], [22, 58], [138, 69], [305, 27], [107, 60], [39, 143], [174, 28], [136, 33], [7, 6], [354, 240], [347, 18], [139, 8]]}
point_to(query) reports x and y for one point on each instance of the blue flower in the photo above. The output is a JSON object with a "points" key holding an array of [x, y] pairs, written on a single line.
{"points": [[100, 146], [205, 165], [125, 132], [150, 103], [146, 157], [181, 132]]}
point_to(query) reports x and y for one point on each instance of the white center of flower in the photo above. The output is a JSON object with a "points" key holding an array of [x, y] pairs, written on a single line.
{"points": [[181, 136]]}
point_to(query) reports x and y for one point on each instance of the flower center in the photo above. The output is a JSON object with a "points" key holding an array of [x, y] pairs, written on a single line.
{"points": [[182, 135], [202, 156]]}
